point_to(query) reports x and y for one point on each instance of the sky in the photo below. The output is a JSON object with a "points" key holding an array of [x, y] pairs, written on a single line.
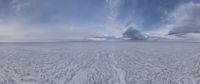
{"points": [[58, 20]]}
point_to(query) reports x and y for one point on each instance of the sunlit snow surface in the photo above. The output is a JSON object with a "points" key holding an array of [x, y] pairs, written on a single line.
{"points": [[100, 63]]}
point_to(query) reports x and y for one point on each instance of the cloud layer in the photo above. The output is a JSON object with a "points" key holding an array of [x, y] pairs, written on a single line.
{"points": [[185, 19], [17, 32], [48, 20]]}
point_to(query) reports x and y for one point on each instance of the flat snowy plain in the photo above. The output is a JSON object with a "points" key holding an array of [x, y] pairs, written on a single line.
{"points": [[100, 63]]}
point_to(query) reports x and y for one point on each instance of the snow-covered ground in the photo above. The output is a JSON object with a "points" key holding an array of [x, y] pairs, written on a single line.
{"points": [[100, 63]]}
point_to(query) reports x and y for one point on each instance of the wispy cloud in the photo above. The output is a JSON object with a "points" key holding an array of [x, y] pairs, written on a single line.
{"points": [[185, 19], [114, 7], [19, 31], [181, 23], [18, 5], [28, 20], [114, 26]]}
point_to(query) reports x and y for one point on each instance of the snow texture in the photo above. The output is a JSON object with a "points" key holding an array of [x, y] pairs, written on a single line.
{"points": [[100, 63]]}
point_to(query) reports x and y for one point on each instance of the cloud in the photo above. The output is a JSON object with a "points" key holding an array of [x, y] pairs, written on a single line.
{"points": [[61, 19], [134, 34], [114, 7], [21, 32], [48, 20], [185, 19], [18, 5], [113, 27]]}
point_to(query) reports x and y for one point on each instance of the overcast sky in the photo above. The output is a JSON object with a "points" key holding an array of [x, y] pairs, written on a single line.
{"points": [[54, 20]]}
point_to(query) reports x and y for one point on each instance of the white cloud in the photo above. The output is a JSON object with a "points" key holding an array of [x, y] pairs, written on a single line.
{"points": [[21, 32], [185, 19], [19, 5], [113, 27], [182, 23], [114, 6]]}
